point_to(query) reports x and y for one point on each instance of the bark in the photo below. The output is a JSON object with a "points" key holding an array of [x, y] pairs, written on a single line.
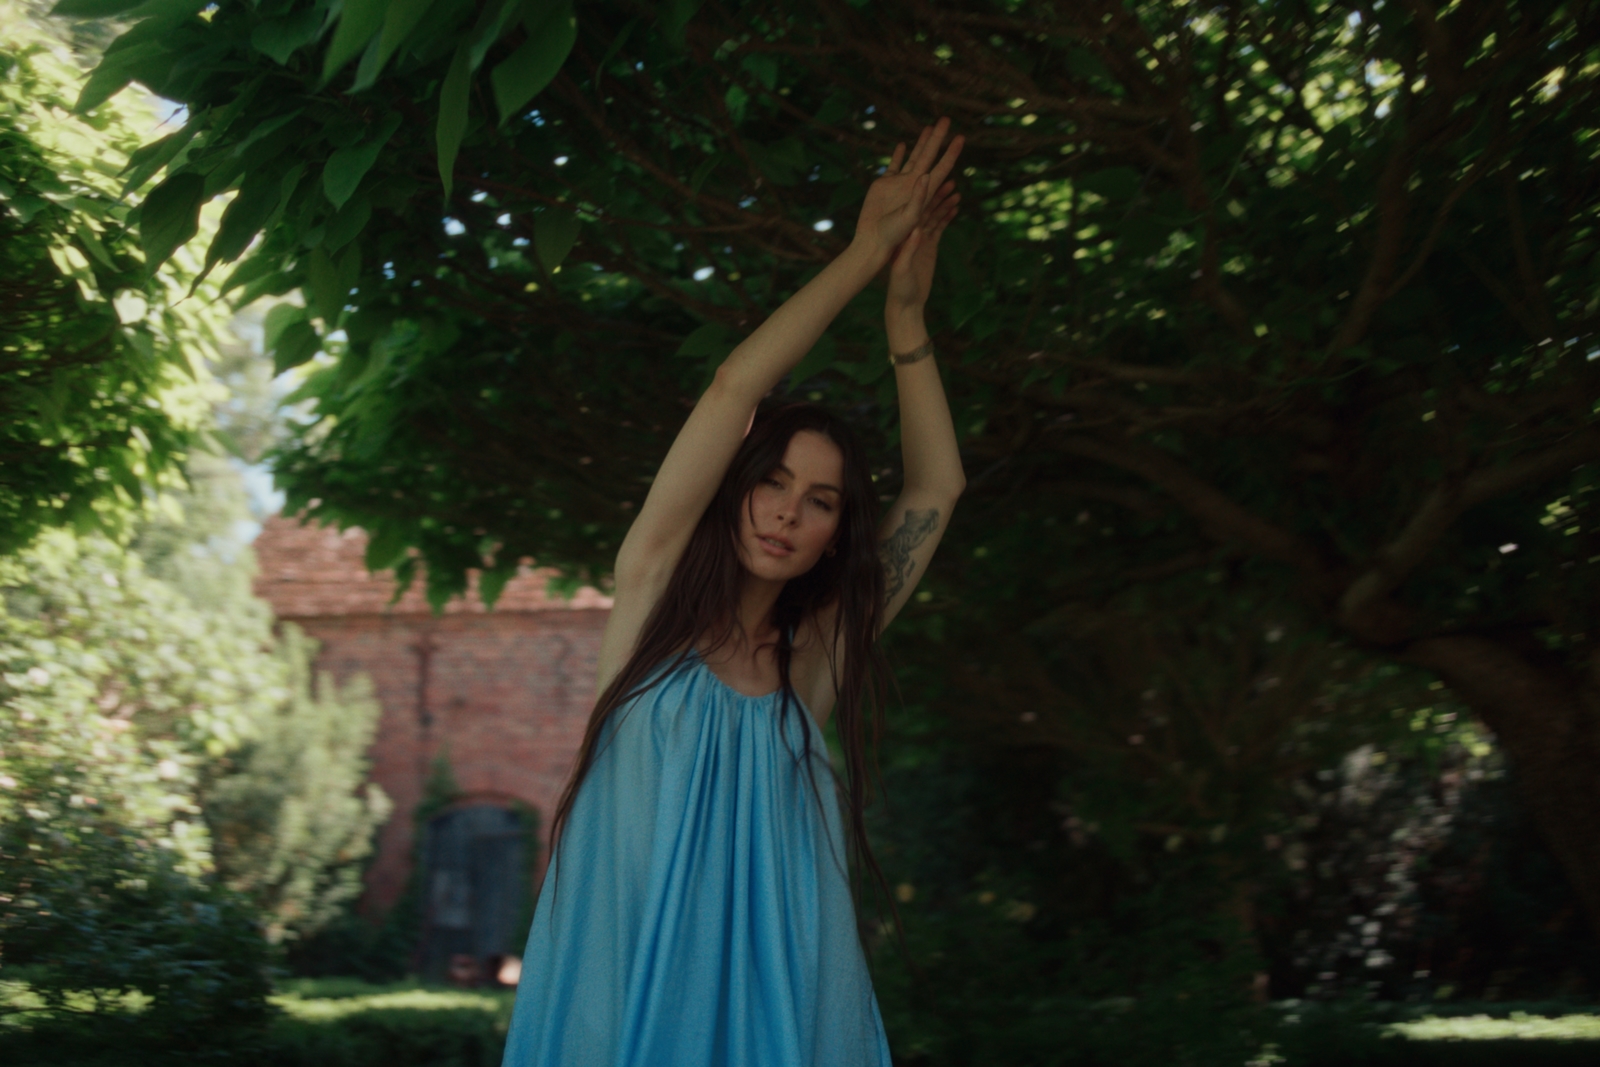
{"points": [[1546, 719]]}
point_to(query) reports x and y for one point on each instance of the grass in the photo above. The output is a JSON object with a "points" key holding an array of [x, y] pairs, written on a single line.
{"points": [[1518, 1026], [1438, 1035], [350, 1023]]}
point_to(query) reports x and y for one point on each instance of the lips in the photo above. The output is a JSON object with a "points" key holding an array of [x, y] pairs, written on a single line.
{"points": [[775, 546]]}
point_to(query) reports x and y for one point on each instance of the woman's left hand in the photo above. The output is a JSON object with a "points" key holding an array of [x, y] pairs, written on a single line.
{"points": [[898, 200], [911, 276]]}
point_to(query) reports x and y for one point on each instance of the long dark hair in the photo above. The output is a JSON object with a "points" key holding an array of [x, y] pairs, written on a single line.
{"points": [[702, 598]]}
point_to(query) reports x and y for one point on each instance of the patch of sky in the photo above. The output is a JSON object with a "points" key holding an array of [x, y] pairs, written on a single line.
{"points": [[703, 273], [454, 227], [479, 197], [388, 270], [822, 225], [503, 220], [561, 161]]}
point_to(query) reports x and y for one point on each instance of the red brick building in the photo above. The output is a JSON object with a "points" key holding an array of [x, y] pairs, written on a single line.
{"points": [[504, 695]]}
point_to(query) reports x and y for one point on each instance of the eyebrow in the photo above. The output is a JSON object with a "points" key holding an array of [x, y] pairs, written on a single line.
{"points": [[814, 485]]}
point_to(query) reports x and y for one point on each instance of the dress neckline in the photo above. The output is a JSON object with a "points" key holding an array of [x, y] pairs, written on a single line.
{"points": [[720, 681], [715, 677]]}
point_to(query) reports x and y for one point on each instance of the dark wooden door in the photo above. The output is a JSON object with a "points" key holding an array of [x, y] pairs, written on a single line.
{"points": [[474, 885]]}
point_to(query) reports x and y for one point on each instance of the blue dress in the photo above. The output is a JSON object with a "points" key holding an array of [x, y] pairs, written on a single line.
{"points": [[698, 913]]}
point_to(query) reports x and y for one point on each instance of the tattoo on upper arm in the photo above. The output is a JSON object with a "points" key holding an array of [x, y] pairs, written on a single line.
{"points": [[896, 549]]}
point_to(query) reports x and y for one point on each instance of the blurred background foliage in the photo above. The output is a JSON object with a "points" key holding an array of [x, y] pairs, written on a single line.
{"points": [[103, 379], [1259, 664]]}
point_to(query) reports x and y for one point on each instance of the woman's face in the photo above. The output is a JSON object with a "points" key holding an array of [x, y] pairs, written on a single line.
{"points": [[791, 517]]}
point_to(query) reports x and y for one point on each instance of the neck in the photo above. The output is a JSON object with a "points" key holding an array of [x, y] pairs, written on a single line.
{"points": [[756, 599]]}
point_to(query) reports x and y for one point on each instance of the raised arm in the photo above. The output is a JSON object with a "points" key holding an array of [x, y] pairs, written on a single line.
{"points": [[933, 476], [700, 455]]}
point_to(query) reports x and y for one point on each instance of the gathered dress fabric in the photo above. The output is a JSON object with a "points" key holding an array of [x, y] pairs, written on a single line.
{"points": [[698, 912]]}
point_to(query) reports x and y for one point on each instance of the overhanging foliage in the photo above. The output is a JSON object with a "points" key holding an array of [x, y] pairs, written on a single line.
{"points": [[101, 377], [1266, 296]]}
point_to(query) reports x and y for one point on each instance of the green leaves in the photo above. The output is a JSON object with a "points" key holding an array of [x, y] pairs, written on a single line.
{"points": [[116, 70], [1113, 183], [555, 231], [92, 9], [398, 22], [453, 115], [288, 337], [531, 67], [359, 20], [243, 218], [329, 281], [387, 547], [782, 161], [169, 216], [280, 38], [347, 166], [675, 16]]}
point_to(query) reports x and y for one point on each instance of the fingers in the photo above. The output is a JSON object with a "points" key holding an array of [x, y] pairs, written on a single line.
{"points": [[927, 144], [942, 220], [896, 159], [908, 248], [940, 203], [947, 162]]}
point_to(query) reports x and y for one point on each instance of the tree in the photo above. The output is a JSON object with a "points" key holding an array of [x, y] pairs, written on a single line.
{"points": [[295, 816], [102, 379], [289, 812], [170, 786], [1286, 295], [112, 696]]}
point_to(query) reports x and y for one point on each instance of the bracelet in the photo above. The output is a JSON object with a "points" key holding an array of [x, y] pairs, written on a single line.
{"points": [[916, 355]]}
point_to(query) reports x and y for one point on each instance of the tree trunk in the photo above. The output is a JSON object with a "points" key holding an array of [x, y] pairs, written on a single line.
{"points": [[1547, 722]]}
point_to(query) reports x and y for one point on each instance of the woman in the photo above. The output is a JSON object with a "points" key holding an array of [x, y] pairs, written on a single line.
{"points": [[698, 910]]}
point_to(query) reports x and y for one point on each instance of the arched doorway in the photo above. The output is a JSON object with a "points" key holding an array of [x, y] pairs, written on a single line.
{"points": [[475, 877]]}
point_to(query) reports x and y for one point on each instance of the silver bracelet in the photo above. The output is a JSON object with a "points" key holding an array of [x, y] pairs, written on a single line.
{"points": [[916, 355]]}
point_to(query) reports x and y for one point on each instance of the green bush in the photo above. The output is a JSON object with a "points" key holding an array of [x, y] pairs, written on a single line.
{"points": [[355, 1025], [111, 694]]}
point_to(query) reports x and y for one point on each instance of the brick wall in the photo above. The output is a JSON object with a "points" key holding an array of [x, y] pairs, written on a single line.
{"points": [[505, 694]]}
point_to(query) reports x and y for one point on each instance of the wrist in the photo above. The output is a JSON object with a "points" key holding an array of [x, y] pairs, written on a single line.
{"points": [[898, 314], [903, 339], [905, 327], [867, 254]]}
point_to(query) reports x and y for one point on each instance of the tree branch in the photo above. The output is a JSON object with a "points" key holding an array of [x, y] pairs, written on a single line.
{"points": [[1392, 563], [1222, 518]]}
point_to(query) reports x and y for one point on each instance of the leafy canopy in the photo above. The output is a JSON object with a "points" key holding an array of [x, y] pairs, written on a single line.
{"points": [[103, 384]]}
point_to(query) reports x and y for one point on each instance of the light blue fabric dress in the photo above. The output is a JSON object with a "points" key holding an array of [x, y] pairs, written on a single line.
{"points": [[698, 913]]}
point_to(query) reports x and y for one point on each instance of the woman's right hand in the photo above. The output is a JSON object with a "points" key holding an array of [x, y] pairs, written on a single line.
{"points": [[911, 275], [896, 200]]}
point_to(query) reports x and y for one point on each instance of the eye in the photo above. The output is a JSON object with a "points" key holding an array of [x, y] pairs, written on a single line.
{"points": [[772, 481], [821, 503]]}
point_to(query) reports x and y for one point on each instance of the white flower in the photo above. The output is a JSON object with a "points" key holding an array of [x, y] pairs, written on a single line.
{"points": [[38, 676]]}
